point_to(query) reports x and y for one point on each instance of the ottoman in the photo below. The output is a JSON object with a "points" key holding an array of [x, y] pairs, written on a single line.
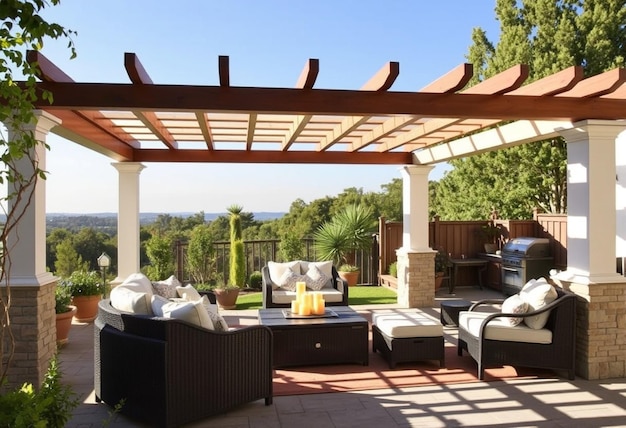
{"points": [[450, 310], [404, 336]]}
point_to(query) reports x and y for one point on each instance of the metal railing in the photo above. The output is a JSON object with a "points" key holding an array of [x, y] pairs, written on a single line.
{"points": [[259, 252]]}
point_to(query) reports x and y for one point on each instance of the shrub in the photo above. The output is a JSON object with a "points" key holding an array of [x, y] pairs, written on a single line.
{"points": [[83, 283], [63, 299], [256, 280], [393, 269]]}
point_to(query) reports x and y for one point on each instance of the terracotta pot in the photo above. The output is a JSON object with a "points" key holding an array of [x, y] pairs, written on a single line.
{"points": [[438, 280], [86, 307], [227, 299], [64, 323], [352, 278]]}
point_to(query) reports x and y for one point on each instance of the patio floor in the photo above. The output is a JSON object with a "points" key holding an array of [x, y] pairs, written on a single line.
{"points": [[525, 402]]}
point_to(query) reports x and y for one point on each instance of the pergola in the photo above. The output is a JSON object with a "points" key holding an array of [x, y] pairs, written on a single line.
{"points": [[147, 122]]}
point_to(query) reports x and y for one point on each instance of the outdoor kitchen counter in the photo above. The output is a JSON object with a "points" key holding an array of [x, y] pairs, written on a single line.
{"points": [[479, 264], [493, 273]]}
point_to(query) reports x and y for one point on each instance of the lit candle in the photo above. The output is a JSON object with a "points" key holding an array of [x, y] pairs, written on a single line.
{"points": [[318, 304], [306, 304], [300, 287], [295, 307]]}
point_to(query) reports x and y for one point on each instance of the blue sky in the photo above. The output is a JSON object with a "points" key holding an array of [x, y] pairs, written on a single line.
{"points": [[268, 43]]}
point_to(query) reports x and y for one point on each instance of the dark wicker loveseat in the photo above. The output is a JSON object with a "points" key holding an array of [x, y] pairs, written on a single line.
{"points": [[168, 372], [268, 288], [560, 354]]}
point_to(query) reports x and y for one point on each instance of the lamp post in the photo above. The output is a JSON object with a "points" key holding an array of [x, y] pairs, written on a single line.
{"points": [[104, 261]]}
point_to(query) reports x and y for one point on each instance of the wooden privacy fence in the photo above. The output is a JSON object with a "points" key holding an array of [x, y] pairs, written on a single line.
{"points": [[459, 238]]}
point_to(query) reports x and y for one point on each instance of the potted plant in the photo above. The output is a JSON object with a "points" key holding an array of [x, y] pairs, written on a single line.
{"points": [[339, 239], [442, 265], [349, 273], [86, 290], [226, 294], [64, 313], [491, 233]]}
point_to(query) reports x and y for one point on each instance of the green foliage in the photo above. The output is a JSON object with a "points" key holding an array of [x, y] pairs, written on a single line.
{"points": [[548, 36], [83, 283], [256, 280], [237, 271], [201, 255], [63, 299], [393, 269], [51, 406], [291, 247], [348, 268], [159, 251], [67, 259], [442, 260], [350, 230]]}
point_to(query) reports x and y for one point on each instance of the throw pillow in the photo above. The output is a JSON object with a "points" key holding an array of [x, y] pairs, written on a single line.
{"points": [[166, 288], [277, 270], [191, 312], [538, 295], [315, 279], [219, 323], [325, 267], [188, 292], [289, 279], [514, 305], [129, 300]]}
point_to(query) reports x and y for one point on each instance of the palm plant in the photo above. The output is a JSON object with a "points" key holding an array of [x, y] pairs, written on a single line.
{"points": [[349, 231]]}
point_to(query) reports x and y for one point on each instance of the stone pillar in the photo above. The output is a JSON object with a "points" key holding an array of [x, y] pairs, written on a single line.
{"points": [[591, 249], [128, 228], [416, 260], [31, 286]]}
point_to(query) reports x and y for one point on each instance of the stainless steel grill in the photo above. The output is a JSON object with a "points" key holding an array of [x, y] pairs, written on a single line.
{"points": [[524, 259]]}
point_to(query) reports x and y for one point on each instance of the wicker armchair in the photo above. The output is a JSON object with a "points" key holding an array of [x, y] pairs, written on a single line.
{"points": [[168, 372], [560, 354]]}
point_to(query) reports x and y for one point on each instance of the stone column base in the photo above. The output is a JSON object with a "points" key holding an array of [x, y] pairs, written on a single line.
{"points": [[416, 278], [600, 329]]}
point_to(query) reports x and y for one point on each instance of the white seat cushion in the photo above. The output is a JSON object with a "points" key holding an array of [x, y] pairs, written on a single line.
{"points": [[404, 324], [500, 329], [133, 295]]}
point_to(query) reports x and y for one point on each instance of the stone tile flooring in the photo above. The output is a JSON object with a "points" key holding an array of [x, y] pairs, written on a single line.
{"points": [[516, 403]]}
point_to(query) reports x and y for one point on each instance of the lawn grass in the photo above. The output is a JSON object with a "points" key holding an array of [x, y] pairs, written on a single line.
{"points": [[364, 295]]}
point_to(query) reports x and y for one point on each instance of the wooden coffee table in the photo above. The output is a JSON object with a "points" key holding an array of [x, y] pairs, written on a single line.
{"points": [[316, 341]]}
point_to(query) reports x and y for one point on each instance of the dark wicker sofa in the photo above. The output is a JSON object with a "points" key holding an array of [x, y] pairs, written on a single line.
{"points": [[337, 283], [168, 372], [560, 354]]}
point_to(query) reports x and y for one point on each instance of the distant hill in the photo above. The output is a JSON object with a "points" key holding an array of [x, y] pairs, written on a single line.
{"points": [[150, 217]]}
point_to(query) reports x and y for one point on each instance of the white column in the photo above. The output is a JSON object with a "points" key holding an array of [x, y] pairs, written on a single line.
{"points": [[128, 242], [27, 242], [591, 219], [415, 207]]}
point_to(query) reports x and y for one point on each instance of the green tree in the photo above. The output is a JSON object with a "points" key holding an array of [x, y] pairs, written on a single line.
{"points": [[201, 255], [68, 260], [23, 27], [159, 251], [549, 36]]}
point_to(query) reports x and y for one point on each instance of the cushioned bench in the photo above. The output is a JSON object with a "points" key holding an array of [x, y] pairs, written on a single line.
{"points": [[404, 336]]}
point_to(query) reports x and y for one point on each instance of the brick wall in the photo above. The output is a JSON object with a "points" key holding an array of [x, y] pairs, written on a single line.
{"points": [[33, 322]]}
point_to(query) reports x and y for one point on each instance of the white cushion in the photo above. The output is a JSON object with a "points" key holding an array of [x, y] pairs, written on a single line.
{"points": [[499, 329], [188, 292], [166, 288], [192, 312], [538, 294], [157, 303], [514, 305], [133, 295], [276, 270], [402, 324], [316, 279], [282, 296]]}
